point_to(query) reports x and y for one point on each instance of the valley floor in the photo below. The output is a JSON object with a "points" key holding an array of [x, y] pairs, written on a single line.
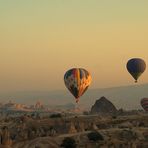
{"points": [[130, 131]]}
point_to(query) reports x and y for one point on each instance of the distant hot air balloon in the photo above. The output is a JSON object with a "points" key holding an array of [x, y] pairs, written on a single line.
{"points": [[144, 103], [77, 80], [136, 67]]}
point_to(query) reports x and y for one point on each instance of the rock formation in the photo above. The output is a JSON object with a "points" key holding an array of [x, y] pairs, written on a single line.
{"points": [[5, 137], [103, 106], [71, 128]]}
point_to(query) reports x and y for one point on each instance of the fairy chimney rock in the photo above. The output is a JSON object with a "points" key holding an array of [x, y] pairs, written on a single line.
{"points": [[103, 105]]}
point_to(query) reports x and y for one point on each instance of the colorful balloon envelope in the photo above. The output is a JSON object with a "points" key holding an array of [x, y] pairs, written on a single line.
{"points": [[77, 80], [136, 67], [144, 103]]}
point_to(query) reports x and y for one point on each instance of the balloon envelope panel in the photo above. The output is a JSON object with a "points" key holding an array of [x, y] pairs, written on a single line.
{"points": [[144, 103]]}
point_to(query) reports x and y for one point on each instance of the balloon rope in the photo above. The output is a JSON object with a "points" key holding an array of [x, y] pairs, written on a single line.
{"points": [[77, 104], [77, 100]]}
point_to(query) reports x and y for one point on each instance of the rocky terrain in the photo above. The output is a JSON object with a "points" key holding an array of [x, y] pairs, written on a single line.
{"points": [[124, 131], [118, 128]]}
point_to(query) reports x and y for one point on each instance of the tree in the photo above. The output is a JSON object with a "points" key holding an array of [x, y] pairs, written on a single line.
{"points": [[69, 143], [85, 113], [95, 136], [55, 116]]}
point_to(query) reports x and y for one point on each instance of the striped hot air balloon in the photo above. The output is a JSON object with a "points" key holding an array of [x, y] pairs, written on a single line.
{"points": [[136, 67], [144, 103], [77, 80]]}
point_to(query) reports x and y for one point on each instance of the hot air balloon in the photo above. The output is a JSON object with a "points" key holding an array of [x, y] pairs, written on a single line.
{"points": [[144, 103], [136, 67], [77, 80]]}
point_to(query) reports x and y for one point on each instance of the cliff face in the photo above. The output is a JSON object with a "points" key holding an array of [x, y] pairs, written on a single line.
{"points": [[103, 106]]}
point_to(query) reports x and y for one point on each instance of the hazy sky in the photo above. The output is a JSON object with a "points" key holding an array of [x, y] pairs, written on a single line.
{"points": [[41, 39]]}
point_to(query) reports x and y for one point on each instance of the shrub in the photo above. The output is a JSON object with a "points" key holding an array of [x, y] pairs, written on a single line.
{"points": [[114, 117], [85, 113], [141, 124], [69, 143], [55, 116], [95, 136]]}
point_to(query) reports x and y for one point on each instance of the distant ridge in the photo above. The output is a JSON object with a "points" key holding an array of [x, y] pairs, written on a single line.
{"points": [[126, 97]]}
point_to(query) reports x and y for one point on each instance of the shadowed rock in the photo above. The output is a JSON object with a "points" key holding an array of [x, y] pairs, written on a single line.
{"points": [[5, 137], [103, 106]]}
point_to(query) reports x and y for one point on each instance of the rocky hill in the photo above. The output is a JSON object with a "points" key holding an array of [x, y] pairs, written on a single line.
{"points": [[103, 105]]}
